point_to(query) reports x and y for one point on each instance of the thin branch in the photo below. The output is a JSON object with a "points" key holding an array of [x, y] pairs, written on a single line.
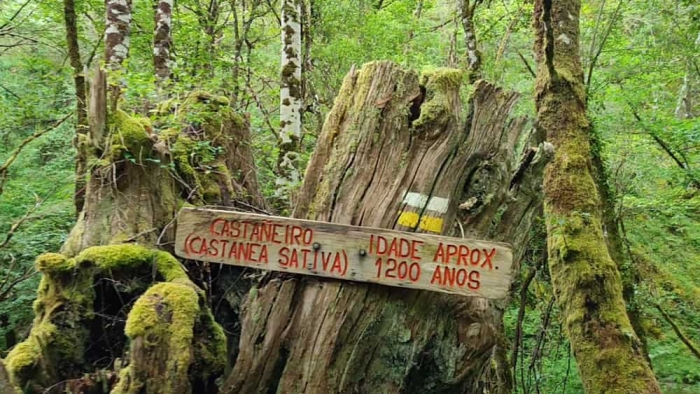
{"points": [[613, 19], [666, 148], [15, 15], [13, 156], [521, 316], [529, 68], [11, 92], [7, 285], [27, 216], [679, 333], [90, 58]]}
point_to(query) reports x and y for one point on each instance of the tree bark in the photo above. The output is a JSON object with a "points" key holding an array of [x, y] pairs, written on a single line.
{"points": [[117, 44], [117, 32], [586, 281], [290, 96], [389, 133], [162, 40], [81, 128], [466, 15], [5, 386]]}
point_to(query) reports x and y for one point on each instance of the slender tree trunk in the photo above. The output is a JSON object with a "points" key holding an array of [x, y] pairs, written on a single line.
{"points": [[117, 43], [611, 228], [290, 96], [585, 278], [685, 105], [466, 14], [309, 336], [162, 39], [81, 128], [117, 32]]}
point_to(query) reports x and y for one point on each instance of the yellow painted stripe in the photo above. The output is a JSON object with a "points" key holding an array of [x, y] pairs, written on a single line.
{"points": [[431, 223], [409, 219]]}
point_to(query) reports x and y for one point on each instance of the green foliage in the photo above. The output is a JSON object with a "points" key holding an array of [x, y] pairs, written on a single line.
{"points": [[639, 54]]}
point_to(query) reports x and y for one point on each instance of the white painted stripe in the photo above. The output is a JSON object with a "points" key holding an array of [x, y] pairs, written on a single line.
{"points": [[438, 204], [415, 200]]}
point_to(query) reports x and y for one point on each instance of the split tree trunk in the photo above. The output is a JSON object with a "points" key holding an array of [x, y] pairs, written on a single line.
{"points": [[586, 281], [388, 134]]}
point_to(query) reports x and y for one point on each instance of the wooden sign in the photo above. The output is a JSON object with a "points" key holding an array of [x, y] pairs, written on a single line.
{"points": [[388, 257]]}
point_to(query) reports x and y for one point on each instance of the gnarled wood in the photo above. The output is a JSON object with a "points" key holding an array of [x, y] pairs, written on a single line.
{"points": [[388, 134]]}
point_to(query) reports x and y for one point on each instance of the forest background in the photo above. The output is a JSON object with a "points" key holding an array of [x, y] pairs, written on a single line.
{"points": [[642, 74]]}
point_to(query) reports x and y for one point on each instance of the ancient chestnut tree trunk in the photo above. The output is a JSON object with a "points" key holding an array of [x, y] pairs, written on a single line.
{"points": [[389, 133], [585, 278], [290, 95]]}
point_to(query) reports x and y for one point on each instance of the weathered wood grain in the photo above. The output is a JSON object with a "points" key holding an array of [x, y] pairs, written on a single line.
{"points": [[394, 258]]}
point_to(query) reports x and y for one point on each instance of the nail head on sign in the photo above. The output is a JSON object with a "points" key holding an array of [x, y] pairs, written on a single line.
{"points": [[317, 246], [363, 253]]}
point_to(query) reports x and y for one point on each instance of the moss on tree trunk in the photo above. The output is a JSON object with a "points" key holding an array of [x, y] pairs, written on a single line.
{"points": [[390, 132], [139, 180], [586, 281]]}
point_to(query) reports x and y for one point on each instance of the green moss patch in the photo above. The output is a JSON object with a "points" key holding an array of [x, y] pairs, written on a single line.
{"points": [[55, 348]]}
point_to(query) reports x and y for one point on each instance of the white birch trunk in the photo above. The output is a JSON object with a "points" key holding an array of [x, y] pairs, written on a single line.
{"points": [[466, 12], [117, 32], [162, 39], [290, 95]]}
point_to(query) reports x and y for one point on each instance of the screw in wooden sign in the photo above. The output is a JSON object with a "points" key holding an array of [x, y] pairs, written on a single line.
{"points": [[388, 257]]}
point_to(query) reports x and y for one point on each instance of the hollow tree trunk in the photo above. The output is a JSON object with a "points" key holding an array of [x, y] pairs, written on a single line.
{"points": [[388, 134], [586, 281], [138, 182]]}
